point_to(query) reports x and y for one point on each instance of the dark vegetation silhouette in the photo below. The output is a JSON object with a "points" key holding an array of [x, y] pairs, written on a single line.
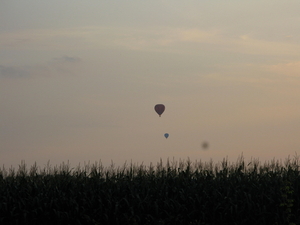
{"points": [[175, 192]]}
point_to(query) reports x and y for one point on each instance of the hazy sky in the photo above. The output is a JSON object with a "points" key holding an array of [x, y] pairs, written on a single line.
{"points": [[79, 80]]}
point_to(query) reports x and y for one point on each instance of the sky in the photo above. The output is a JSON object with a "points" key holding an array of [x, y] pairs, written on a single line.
{"points": [[79, 81]]}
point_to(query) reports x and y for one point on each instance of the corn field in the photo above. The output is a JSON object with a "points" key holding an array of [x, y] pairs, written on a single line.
{"points": [[174, 192]]}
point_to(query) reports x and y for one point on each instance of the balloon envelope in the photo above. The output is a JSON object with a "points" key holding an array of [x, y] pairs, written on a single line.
{"points": [[166, 135], [159, 108]]}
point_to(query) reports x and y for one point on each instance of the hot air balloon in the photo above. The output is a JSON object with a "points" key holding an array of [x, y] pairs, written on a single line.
{"points": [[166, 135], [159, 108], [205, 145]]}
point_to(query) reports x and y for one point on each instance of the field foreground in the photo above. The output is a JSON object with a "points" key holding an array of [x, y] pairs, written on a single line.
{"points": [[181, 192]]}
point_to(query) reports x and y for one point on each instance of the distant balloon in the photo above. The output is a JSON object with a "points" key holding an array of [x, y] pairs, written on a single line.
{"points": [[159, 108], [166, 135], [205, 145]]}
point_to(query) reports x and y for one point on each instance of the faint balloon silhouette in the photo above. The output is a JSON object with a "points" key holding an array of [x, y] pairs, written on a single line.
{"points": [[205, 145]]}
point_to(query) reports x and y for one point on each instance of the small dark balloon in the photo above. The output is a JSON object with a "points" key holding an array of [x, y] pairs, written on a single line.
{"points": [[159, 109], [166, 135]]}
